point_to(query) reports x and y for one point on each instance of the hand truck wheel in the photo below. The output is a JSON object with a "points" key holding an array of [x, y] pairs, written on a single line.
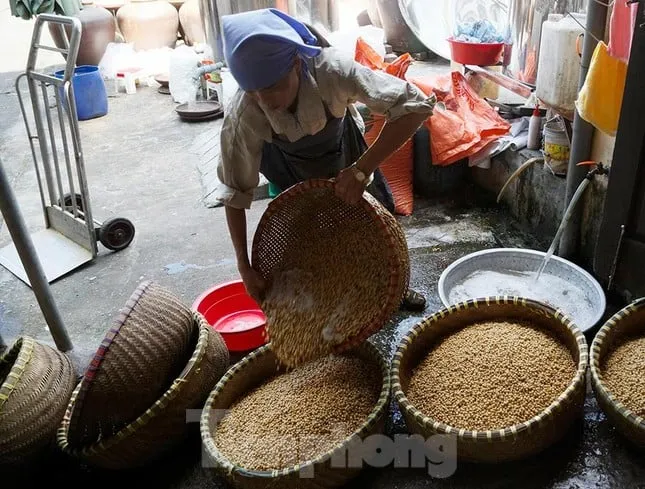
{"points": [[66, 202], [116, 234]]}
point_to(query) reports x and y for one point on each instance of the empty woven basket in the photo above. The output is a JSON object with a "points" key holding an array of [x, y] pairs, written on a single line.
{"points": [[163, 424], [141, 354], [36, 382], [335, 270]]}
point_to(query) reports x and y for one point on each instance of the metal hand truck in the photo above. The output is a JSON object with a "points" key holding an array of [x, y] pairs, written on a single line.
{"points": [[70, 237]]}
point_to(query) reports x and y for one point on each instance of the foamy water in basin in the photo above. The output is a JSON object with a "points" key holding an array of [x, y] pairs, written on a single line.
{"points": [[512, 272], [550, 289]]}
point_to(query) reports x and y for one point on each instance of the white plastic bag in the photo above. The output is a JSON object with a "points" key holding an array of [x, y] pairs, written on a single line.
{"points": [[229, 87], [118, 56], [155, 61], [184, 81], [345, 40]]}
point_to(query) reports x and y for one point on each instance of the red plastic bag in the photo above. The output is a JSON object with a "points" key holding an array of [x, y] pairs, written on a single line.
{"points": [[621, 30], [466, 125], [398, 169]]}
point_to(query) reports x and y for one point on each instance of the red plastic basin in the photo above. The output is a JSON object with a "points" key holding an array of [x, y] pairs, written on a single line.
{"points": [[478, 54], [234, 314]]}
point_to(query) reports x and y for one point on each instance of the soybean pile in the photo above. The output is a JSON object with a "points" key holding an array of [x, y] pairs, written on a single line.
{"points": [[299, 415], [622, 374], [325, 295], [491, 375]]}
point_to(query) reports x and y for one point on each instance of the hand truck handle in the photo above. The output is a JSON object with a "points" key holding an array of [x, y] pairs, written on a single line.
{"points": [[71, 46]]}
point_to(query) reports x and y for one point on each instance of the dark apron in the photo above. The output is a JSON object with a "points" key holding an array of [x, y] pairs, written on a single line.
{"points": [[322, 155]]}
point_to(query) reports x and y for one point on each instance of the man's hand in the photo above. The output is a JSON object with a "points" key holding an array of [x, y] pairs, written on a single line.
{"points": [[253, 282], [348, 187]]}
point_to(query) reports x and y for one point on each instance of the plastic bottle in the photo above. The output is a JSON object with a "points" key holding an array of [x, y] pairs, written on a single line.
{"points": [[535, 124]]}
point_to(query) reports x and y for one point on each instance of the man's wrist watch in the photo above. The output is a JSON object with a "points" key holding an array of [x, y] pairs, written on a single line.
{"points": [[359, 174]]}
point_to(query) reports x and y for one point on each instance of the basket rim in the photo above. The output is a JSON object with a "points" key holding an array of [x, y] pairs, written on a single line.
{"points": [[509, 432], [23, 351], [452, 40], [153, 411], [369, 204], [86, 382], [209, 443], [635, 421]]}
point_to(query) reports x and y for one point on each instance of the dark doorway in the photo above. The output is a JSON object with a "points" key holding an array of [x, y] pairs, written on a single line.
{"points": [[620, 254]]}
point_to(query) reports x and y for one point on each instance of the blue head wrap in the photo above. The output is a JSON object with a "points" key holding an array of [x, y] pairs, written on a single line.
{"points": [[260, 46]]}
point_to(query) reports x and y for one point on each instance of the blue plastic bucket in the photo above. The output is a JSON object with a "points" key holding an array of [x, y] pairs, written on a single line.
{"points": [[89, 92]]}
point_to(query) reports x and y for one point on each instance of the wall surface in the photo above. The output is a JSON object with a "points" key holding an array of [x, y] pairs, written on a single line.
{"points": [[602, 148], [593, 207], [537, 197]]}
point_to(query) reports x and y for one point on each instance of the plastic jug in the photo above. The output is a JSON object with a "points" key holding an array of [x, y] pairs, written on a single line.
{"points": [[559, 65]]}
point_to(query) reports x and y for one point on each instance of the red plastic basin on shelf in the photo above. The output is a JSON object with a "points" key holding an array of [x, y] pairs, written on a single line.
{"points": [[234, 314], [478, 54]]}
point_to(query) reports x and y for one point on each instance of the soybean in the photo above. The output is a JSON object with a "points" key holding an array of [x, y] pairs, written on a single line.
{"points": [[301, 414], [623, 374], [326, 294], [491, 375]]}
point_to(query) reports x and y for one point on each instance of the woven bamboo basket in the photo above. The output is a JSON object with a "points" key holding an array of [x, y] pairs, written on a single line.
{"points": [[513, 442], [163, 425], [625, 323], [145, 349], [318, 473], [310, 212], [36, 383]]}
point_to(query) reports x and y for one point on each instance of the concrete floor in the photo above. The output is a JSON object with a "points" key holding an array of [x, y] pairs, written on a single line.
{"points": [[139, 166]]}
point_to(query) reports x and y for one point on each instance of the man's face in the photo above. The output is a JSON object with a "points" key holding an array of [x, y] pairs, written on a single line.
{"points": [[282, 94]]}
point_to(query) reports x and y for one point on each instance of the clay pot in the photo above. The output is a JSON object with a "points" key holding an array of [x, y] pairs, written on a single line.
{"points": [[397, 33], [191, 22], [149, 24], [373, 13], [99, 29]]}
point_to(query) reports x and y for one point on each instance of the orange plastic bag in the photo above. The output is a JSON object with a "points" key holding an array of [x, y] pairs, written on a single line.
{"points": [[466, 125], [366, 56], [398, 169]]}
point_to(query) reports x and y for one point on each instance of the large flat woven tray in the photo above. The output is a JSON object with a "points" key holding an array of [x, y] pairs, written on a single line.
{"points": [[162, 426], [142, 353], [36, 382], [513, 442], [627, 323], [336, 272], [322, 472]]}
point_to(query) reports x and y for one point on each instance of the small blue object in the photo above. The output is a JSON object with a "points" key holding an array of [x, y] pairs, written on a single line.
{"points": [[90, 94], [467, 38], [481, 31]]}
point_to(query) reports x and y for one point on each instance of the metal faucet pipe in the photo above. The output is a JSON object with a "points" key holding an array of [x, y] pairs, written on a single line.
{"points": [[582, 131]]}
